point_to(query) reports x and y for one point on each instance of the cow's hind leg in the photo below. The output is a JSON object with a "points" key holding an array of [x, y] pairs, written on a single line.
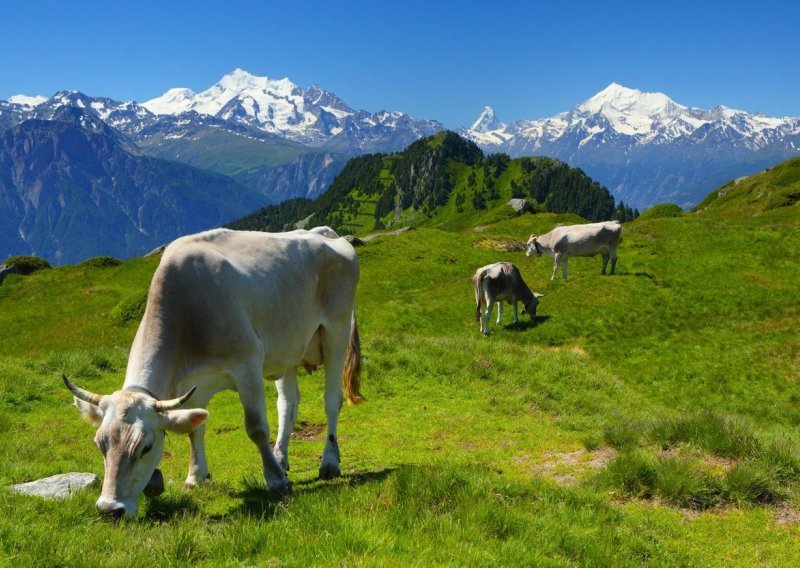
{"points": [[288, 404], [613, 255], [487, 316], [499, 312], [605, 262], [334, 346], [249, 384]]}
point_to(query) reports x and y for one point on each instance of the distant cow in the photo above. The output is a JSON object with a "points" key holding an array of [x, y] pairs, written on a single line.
{"points": [[225, 310], [500, 282], [578, 240]]}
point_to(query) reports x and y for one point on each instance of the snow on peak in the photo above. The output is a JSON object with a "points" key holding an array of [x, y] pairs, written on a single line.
{"points": [[174, 101], [630, 101], [487, 121], [631, 111], [27, 101]]}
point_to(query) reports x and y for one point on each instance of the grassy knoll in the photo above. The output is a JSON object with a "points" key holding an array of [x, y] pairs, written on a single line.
{"points": [[691, 350]]}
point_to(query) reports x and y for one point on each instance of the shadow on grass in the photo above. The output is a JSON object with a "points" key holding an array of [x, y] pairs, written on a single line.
{"points": [[260, 503], [524, 325], [167, 507]]}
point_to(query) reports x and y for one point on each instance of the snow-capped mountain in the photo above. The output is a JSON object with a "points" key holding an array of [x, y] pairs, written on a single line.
{"points": [[487, 122], [310, 116], [646, 147]]}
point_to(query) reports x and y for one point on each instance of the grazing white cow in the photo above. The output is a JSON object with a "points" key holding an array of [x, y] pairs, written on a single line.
{"points": [[226, 309], [498, 282], [578, 240]]}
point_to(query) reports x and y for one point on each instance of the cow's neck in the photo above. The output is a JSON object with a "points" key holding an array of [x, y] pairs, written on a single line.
{"points": [[544, 247], [151, 367], [524, 294]]}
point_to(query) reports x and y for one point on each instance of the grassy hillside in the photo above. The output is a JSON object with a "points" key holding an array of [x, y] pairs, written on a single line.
{"points": [[441, 181], [224, 152], [648, 418], [773, 188]]}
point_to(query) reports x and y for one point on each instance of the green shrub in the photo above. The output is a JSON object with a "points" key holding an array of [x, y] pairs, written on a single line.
{"points": [[101, 262], [622, 435], [130, 309], [680, 482], [662, 210], [633, 472], [752, 482], [27, 264], [781, 457], [720, 434]]}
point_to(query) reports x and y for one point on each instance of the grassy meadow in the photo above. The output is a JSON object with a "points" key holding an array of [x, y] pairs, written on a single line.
{"points": [[646, 418]]}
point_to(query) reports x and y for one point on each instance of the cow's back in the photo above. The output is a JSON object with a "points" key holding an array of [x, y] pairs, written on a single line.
{"points": [[587, 239], [227, 293]]}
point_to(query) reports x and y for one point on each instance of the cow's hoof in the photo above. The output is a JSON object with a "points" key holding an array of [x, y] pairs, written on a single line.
{"points": [[195, 481], [279, 486], [329, 471]]}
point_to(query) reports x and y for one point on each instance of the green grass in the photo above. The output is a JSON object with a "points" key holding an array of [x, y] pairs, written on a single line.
{"points": [[687, 360]]}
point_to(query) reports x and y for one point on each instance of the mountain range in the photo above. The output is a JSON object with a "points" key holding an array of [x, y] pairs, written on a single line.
{"points": [[645, 147], [268, 140]]}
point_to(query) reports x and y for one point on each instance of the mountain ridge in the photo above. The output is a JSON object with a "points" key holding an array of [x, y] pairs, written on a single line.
{"points": [[646, 147]]}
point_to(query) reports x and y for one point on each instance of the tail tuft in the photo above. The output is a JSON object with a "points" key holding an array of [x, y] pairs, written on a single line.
{"points": [[352, 366]]}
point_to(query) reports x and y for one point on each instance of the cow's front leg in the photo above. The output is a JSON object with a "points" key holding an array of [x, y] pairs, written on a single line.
{"points": [[514, 308], [605, 263], [334, 366], [613, 261], [288, 404], [251, 393], [198, 465], [564, 266], [556, 265]]}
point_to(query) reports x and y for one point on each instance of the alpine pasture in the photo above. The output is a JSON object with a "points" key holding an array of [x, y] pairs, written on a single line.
{"points": [[645, 418]]}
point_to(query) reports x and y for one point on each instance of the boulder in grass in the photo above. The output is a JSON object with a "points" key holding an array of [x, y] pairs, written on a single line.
{"points": [[58, 486], [520, 206]]}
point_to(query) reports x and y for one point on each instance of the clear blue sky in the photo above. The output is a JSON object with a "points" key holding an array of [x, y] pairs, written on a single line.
{"points": [[434, 60]]}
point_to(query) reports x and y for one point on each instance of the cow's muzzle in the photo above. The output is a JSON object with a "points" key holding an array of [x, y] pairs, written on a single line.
{"points": [[110, 508]]}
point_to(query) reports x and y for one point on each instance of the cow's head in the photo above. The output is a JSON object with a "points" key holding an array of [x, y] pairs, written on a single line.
{"points": [[533, 303], [130, 435], [533, 246]]}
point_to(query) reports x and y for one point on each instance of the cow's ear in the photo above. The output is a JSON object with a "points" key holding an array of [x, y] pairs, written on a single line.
{"points": [[183, 421], [90, 412]]}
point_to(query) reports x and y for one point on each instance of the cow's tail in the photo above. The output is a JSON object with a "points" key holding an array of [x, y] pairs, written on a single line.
{"points": [[352, 365]]}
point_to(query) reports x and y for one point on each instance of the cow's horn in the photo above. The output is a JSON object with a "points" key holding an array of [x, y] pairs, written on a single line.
{"points": [[172, 404], [80, 393]]}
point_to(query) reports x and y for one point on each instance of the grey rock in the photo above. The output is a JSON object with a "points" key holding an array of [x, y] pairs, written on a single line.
{"points": [[520, 205], [58, 486]]}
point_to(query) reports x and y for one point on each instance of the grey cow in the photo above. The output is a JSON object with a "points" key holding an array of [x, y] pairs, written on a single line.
{"points": [[498, 282]]}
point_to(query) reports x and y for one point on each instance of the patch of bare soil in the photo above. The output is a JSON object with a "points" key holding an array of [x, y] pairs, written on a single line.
{"points": [[502, 245], [307, 431], [394, 233], [567, 468], [787, 515], [576, 349]]}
